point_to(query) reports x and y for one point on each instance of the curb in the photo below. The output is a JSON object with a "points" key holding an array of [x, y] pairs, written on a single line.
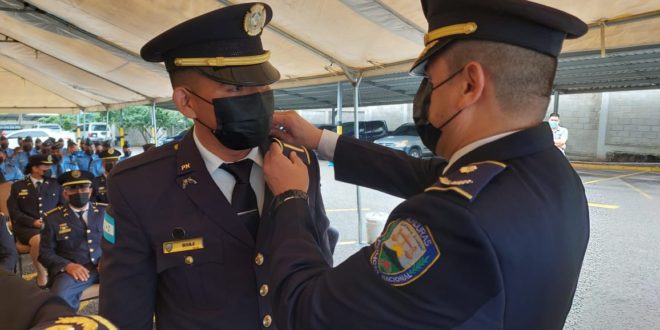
{"points": [[617, 167]]}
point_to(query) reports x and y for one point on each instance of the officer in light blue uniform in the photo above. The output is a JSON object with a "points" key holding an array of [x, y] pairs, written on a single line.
{"points": [[4, 146], [88, 160], [493, 238], [71, 239], [61, 163], [27, 150], [9, 169]]}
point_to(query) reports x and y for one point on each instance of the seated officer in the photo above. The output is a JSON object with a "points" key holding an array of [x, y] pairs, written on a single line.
{"points": [[87, 159], [493, 238], [183, 234], [8, 168], [28, 200], [109, 158], [71, 238], [26, 151], [4, 146], [61, 163], [126, 150]]}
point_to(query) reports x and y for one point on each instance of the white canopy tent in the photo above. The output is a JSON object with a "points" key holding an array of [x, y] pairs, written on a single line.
{"points": [[64, 56]]}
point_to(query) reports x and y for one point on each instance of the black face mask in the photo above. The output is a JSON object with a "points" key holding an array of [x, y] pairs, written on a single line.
{"points": [[127, 153], [27, 148], [56, 159], [48, 173], [4, 146], [429, 134], [79, 200], [242, 122], [89, 152]]}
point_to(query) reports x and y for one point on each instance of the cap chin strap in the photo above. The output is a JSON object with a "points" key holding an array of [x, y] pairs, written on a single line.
{"points": [[223, 61]]}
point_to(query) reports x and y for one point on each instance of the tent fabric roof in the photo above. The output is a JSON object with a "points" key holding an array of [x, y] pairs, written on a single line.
{"points": [[63, 56]]}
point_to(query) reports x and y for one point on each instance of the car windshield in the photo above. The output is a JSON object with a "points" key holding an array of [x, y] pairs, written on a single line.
{"points": [[405, 130], [101, 127]]}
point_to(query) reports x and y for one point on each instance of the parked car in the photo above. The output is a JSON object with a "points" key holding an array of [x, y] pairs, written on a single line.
{"points": [[37, 133], [406, 139], [96, 132], [369, 130], [9, 128], [54, 127], [176, 137]]}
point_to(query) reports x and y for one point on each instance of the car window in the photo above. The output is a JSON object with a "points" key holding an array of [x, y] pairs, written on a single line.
{"points": [[405, 130], [99, 127], [377, 128]]}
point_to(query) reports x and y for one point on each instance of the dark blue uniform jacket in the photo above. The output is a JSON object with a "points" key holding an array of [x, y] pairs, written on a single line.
{"points": [[174, 246], [495, 243]]}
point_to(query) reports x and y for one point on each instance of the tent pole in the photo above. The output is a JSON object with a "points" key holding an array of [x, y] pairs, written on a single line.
{"points": [[340, 108], [556, 110], [153, 121], [121, 128], [356, 108]]}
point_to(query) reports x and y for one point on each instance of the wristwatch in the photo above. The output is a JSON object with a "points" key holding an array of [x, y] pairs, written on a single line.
{"points": [[288, 195]]}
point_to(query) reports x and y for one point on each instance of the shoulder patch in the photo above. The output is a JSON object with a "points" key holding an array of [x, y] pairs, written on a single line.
{"points": [[287, 149], [109, 228], [469, 180], [49, 212], [99, 204], [404, 252], [78, 322], [142, 159]]}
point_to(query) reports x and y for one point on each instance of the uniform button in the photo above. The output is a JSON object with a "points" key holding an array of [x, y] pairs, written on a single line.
{"points": [[89, 241], [259, 259], [39, 198], [263, 290], [189, 260], [91, 250], [92, 259], [89, 231], [40, 205], [267, 321]]}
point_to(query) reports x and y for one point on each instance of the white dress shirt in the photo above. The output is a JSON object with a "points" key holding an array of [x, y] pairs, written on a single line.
{"points": [[84, 209], [225, 181], [34, 181]]}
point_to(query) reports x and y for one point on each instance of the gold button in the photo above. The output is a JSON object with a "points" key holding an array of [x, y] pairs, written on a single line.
{"points": [[189, 260], [91, 250], [259, 259], [89, 231], [89, 241], [40, 205], [39, 198], [267, 321], [263, 290]]}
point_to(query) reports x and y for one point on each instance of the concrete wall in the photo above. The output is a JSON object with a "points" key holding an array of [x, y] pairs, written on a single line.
{"points": [[605, 123]]}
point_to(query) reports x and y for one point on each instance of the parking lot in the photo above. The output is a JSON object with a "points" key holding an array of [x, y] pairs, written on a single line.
{"points": [[619, 286]]}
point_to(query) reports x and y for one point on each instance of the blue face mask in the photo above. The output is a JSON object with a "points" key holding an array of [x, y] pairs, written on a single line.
{"points": [[554, 124]]}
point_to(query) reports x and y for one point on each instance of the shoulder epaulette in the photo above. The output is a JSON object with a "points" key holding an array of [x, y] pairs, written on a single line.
{"points": [[287, 149], [49, 212], [97, 204], [469, 180], [164, 151]]}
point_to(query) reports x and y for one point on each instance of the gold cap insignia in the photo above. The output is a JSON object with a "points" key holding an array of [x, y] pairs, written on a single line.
{"points": [[75, 174], [254, 20], [468, 169], [168, 246], [50, 158]]}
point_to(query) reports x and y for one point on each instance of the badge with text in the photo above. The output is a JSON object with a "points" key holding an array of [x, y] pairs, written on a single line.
{"points": [[183, 245], [404, 252]]}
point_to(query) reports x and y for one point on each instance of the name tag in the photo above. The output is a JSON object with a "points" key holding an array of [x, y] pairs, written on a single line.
{"points": [[184, 245]]}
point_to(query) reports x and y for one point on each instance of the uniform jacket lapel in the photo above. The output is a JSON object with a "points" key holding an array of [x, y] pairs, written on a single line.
{"points": [[195, 181]]}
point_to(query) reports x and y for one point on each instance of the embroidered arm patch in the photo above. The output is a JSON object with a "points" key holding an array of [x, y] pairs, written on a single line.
{"points": [[109, 228], [404, 252]]}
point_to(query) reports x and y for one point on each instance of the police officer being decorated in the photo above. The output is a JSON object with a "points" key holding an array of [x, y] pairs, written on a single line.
{"points": [[492, 239], [109, 157], [183, 234], [28, 200], [71, 238]]}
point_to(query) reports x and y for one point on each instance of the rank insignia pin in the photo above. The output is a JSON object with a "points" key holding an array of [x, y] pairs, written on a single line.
{"points": [[187, 181]]}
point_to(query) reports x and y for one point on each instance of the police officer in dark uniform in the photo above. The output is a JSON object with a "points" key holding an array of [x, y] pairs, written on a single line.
{"points": [[182, 237], [493, 238], [28, 200], [71, 238], [126, 150], [109, 157]]}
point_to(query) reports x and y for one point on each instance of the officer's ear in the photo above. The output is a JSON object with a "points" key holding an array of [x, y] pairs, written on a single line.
{"points": [[473, 80], [182, 100]]}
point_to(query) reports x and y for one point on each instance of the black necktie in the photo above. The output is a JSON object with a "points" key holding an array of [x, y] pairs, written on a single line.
{"points": [[243, 199], [39, 186], [80, 216]]}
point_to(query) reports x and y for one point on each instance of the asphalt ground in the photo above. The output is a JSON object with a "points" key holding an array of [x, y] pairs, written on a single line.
{"points": [[619, 286]]}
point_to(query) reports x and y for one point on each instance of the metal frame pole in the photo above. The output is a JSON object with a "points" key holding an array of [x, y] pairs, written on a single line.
{"points": [[153, 122], [356, 108], [556, 109], [340, 108]]}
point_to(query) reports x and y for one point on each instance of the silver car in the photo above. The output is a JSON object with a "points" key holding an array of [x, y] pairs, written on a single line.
{"points": [[406, 139]]}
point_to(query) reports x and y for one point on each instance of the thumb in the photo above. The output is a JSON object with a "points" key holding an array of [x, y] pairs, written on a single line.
{"points": [[295, 159]]}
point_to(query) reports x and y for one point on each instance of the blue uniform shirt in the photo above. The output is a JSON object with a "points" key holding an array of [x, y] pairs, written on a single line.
{"points": [[91, 163], [11, 171]]}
